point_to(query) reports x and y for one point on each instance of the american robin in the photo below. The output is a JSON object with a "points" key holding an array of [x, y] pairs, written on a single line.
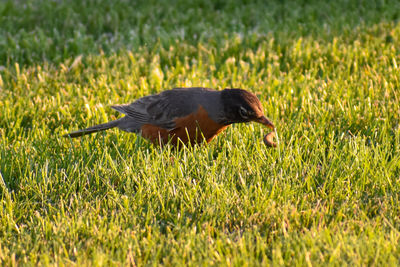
{"points": [[187, 114]]}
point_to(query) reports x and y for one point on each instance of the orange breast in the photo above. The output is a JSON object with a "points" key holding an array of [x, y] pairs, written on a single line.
{"points": [[193, 128]]}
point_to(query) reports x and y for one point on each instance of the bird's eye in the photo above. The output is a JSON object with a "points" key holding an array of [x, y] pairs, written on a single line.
{"points": [[243, 113]]}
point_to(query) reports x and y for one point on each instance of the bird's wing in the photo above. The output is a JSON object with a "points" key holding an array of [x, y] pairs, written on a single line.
{"points": [[162, 109]]}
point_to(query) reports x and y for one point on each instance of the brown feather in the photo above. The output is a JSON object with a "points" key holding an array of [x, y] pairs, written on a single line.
{"points": [[193, 128]]}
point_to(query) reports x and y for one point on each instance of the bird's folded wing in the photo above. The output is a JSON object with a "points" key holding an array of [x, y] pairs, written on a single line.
{"points": [[160, 110]]}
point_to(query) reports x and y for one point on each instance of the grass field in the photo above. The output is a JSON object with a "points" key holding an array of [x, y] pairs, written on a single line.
{"points": [[327, 73]]}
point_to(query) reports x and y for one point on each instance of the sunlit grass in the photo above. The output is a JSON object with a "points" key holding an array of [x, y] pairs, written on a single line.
{"points": [[326, 73]]}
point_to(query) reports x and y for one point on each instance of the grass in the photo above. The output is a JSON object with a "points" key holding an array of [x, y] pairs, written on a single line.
{"points": [[327, 74]]}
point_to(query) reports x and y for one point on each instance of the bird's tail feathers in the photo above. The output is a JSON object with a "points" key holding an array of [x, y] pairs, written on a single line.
{"points": [[93, 129]]}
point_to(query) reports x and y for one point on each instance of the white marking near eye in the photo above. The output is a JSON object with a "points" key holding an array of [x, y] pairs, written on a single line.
{"points": [[243, 113]]}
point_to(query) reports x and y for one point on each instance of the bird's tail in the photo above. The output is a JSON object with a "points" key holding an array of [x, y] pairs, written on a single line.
{"points": [[93, 129]]}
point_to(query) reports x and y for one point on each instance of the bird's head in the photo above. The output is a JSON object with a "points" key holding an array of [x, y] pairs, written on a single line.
{"points": [[243, 106]]}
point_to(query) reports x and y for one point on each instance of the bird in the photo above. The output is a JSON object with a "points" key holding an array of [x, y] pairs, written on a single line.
{"points": [[185, 115]]}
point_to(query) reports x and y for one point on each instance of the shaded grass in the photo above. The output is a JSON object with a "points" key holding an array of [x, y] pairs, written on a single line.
{"points": [[55, 31], [329, 194]]}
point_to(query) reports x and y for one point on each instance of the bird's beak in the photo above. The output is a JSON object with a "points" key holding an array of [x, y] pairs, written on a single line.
{"points": [[266, 122]]}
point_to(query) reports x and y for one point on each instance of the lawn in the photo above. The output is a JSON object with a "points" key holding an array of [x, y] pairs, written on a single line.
{"points": [[327, 74]]}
